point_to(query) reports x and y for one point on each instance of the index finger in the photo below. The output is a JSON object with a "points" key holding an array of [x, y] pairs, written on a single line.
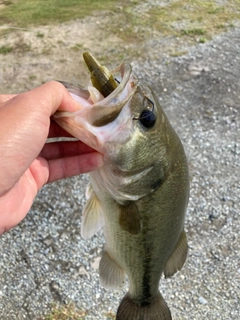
{"points": [[6, 97], [55, 131]]}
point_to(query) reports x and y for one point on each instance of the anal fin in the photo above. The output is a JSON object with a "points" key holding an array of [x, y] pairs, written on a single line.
{"points": [[111, 274], [178, 257]]}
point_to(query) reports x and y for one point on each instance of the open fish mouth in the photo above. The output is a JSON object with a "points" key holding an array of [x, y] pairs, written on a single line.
{"points": [[99, 119]]}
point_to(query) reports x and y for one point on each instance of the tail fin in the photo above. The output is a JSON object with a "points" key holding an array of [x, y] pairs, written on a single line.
{"points": [[157, 310]]}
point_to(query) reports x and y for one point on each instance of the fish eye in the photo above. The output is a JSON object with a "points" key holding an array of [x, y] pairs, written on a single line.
{"points": [[147, 118]]}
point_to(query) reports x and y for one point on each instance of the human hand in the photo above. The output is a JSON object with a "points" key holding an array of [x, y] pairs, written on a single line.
{"points": [[27, 162]]}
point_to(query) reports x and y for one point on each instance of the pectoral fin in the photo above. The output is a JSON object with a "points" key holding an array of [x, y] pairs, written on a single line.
{"points": [[89, 191], [92, 220], [178, 257], [111, 274]]}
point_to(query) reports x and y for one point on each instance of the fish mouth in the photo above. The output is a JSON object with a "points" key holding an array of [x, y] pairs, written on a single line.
{"points": [[98, 119], [107, 110]]}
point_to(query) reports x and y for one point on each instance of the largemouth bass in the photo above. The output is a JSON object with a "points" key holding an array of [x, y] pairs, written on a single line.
{"points": [[139, 197]]}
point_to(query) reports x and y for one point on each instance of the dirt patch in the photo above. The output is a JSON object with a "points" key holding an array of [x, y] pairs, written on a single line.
{"points": [[51, 52], [30, 57]]}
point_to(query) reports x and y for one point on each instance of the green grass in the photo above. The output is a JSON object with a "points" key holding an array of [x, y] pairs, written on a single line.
{"points": [[194, 20], [198, 17], [27, 13], [40, 35], [5, 49], [110, 316], [68, 312], [197, 20], [195, 31], [32, 77], [178, 53]]}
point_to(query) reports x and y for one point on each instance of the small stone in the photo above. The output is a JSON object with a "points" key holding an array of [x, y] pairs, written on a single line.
{"points": [[202, 300], [83, 272], [95, 263]]}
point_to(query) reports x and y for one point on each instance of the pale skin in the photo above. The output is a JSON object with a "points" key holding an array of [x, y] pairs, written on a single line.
{"points": [[27, 162]]}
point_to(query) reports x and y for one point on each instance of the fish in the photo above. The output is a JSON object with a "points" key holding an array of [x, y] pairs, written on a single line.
{"points": [[140, 196]]}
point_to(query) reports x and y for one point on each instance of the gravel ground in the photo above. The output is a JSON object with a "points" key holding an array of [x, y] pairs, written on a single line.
{"points": [[44, 259]]}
